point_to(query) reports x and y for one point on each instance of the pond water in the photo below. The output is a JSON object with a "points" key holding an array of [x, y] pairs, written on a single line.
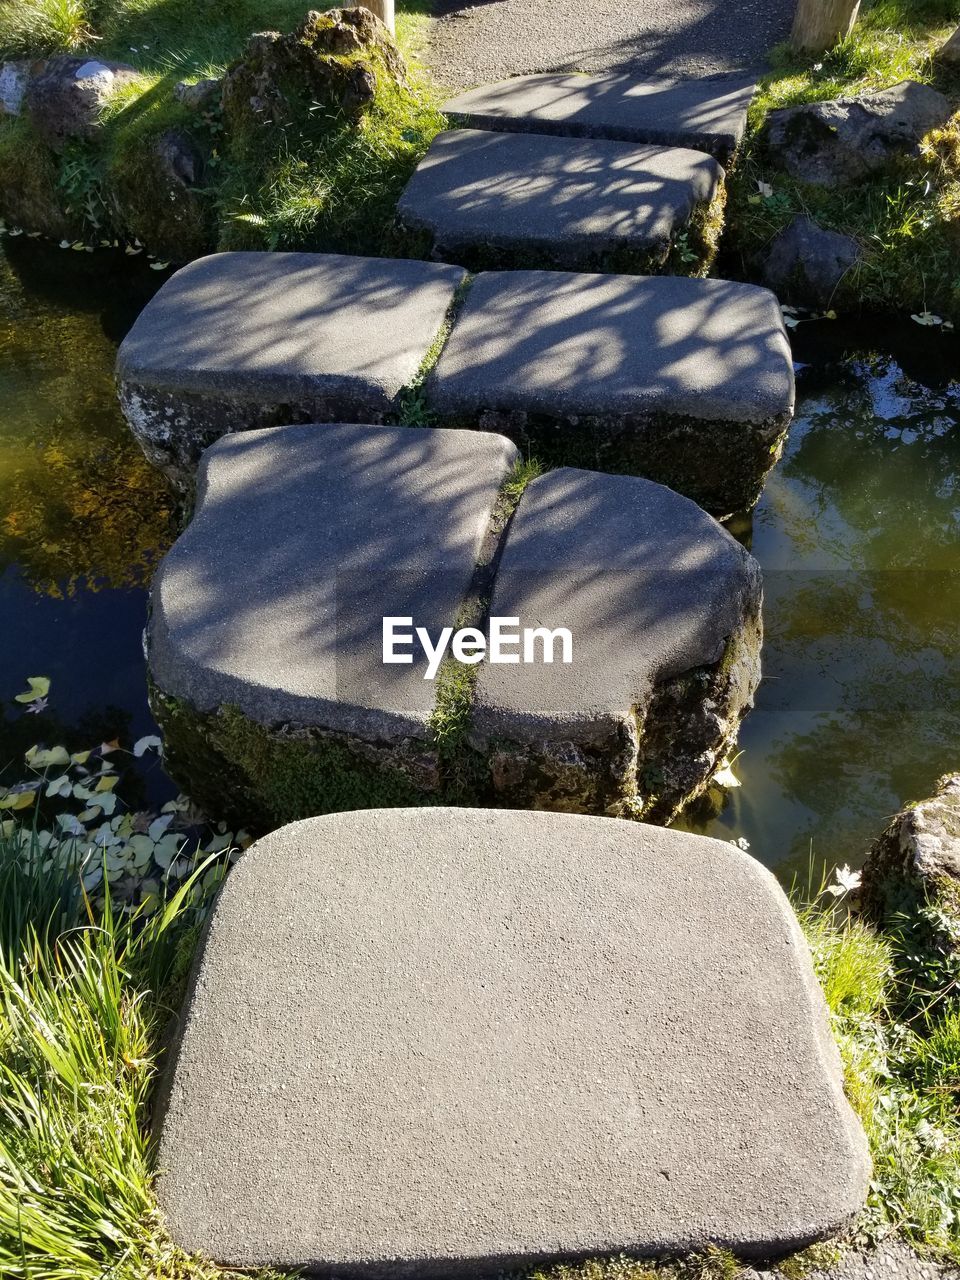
{"points": [[858, 533]]}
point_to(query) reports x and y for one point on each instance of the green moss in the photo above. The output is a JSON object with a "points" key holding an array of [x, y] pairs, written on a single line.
{"points": [[266, 778], [31, 195]]}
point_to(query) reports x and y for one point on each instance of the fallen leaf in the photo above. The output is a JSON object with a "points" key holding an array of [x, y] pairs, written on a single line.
{"points": [[39, 688]]}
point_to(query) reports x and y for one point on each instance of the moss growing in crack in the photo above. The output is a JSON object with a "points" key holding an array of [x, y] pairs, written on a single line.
{"points": [[412, 408]]}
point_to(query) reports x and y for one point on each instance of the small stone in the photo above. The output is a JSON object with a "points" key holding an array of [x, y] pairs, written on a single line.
{"points": [[428, 1042], [848, 139], [13, 85], [65, 99], [805, 263], [201, 96]]}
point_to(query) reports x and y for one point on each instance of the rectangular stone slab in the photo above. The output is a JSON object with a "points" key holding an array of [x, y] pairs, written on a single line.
{"points": [[428, 1042], [688, 382], [563, 201], [240, 340], [303, 538], [708, 113]]}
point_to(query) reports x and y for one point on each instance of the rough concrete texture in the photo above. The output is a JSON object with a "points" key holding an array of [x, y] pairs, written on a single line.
{"points": [[566, 200], [709, 114], [848, 139], [241, 340], [655, 594], [476, 42], [689, 382], [427, 1040], [303, 538]]}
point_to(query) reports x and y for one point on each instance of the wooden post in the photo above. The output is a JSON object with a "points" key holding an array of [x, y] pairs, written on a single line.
{"points": [[819, 24], [385, 12], [950, 52]]}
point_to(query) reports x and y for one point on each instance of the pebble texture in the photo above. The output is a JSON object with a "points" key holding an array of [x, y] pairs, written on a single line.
{"points": [[304, 537], [563, 199], [626, 373], [891, 1260], [473, 43], [708, 113], [241, 340], [424, 1040]]}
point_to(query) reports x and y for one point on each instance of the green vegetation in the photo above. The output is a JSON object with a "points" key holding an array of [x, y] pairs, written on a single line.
{"points": [[908, 219], [321, 177]]}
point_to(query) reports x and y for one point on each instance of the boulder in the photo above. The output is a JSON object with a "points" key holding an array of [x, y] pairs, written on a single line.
{"points": [[449, 1042], [265, 643], [848, 139], [806, 263], [65, 99], [159, 195], [916, 860], [335, 59], [949, 52]]}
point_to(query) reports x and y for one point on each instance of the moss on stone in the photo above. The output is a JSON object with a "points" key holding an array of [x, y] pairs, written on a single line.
{"points": [[31, 196], [264, 777]]}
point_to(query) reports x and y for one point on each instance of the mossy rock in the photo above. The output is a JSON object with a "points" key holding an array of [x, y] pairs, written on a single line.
{"points": [[335, 60], [158, 192], [31, 196]]}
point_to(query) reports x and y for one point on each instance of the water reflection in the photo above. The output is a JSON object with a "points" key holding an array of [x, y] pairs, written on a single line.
{"points": [[859, 535]]}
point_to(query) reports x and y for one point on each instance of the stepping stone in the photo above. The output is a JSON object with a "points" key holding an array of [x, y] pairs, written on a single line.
{"points": [[265, 642], [665, 609], [241, 340], [510, 199], [688, 382], [708, 113], [437, 1042]]}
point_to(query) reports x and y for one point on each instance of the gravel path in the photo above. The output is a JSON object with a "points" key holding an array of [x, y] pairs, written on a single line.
{"points": [[474, 43], [893, 1260]]}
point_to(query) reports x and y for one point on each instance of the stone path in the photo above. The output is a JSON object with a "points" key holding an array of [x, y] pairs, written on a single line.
{"points": [[512, 199], [425, 1042], [491, 39], [709, 114], [686, 381], [305, 537]]}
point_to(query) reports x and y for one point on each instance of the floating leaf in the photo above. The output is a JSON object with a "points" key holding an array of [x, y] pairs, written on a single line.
{"points": [[765, 189], [725, 777], [40, 758], [80, 757], [61, 786], [159, 826], [17, 800], [107, 747], [159, 266], [107, 781], [927, 318], [39, 688], [150, 743]]}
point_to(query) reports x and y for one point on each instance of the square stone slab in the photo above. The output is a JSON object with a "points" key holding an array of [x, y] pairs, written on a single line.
{"points": [[425, 1042], [241, 340], [303, 538], [687, 382], [553, 201], [708, 113]]}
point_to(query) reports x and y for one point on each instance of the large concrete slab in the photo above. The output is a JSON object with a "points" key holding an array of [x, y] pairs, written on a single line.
{"points": [[708, 113], [664, 608], [688, 382], [245, 340], [303, 538], [425, 1042], [497, 199]]}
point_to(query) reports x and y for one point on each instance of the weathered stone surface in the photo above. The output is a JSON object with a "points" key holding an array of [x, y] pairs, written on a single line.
{"points": [[949, 51], [202, 95], [848, 139], [243, 340], [664, 608], [159, 194], [688, 382], [13, 85], [708, 113], [805, 263], [64, 100], [917, 859], [429, 1042], [554, 201], [334, 60]]}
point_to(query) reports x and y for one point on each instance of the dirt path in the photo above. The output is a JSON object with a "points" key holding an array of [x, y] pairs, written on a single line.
{"points": [[492, 39]]}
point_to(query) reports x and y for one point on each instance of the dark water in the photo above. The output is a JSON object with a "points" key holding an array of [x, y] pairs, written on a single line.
{"points": [[858, 533]]}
